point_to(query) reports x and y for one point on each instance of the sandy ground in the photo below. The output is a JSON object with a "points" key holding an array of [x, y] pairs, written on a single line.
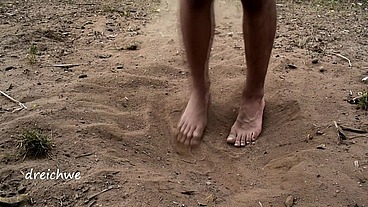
{"points": [[113, 116]]}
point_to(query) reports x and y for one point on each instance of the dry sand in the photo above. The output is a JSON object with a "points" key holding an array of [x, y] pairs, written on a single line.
{"points": [[116, 124]]}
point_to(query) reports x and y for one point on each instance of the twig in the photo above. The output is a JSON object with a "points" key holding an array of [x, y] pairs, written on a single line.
{"points": [[351, 129], [98, 193], [2, 180], [343, 57], [86, 4], [358, 136], [260, 204], [164, 35], [340, 134], [91, 204], [65, 65], [18, 102], [84, 155], [103, 191]]}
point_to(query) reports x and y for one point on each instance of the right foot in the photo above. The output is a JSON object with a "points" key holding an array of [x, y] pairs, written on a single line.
{"points": [[194, 119]]}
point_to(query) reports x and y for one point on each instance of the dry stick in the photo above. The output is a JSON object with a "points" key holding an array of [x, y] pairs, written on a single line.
{"points": [[358, 136], [91, 204], [104, 190], [340, 134], [98, 193], [351, 129], [65, 65], [18, 102], [2, 180], [343, 57], [260, 204], [84, 155]]}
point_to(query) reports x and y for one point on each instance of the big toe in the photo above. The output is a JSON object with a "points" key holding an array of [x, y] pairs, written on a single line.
{"points": [[197, 136], [231, 139]]}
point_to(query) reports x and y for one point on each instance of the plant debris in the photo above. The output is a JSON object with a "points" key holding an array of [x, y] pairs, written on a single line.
{"points": [[188, 192], [15, 200], [35, 144]]}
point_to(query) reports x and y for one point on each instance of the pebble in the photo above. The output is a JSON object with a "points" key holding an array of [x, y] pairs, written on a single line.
{"points": [[83, 76], [321, 146], [319, 132], [10, 68], [292, 66], [120, 66], [315, 61], [21, 189], [289, 201], [322, 69]]}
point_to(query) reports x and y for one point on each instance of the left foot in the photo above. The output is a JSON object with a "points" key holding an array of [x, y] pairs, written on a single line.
{"points": [[248, 124]]}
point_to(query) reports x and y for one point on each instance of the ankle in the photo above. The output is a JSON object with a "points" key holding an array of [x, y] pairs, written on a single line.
{"points": [[253, 94], [202, 87]]}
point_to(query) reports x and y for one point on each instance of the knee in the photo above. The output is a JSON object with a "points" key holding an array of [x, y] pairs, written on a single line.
{"points": [[198, 4]]}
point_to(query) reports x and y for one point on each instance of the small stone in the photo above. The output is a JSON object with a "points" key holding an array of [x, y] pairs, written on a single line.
{"points": [[21, 189], [319, 132], [10, 68], [120, 66], [322, 69], [208, 183], [125, 196], [292, 66], [104, 56], [202, 204], [315, 61], [289, 202], [321, 146], [365, 80], [356, 163], [83, 76]]}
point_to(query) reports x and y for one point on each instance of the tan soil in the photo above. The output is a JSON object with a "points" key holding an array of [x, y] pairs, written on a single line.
{"points": [[126, 117]]}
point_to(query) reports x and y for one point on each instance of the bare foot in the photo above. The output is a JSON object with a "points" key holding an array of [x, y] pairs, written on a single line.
{"points": [[194, 119], [248, 124]]}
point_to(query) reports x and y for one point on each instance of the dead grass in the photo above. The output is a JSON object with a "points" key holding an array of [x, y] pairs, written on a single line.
{"points": [[32, 53], [35, 144], [363, 101]]}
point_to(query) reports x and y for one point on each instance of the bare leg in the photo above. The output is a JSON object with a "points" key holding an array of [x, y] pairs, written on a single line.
{"points": [[259, 26], [197, 25]]}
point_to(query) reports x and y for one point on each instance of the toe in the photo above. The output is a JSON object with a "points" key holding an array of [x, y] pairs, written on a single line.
{"points": [[237, 140], [249, 137], [242, 141], [181, 138], [231, 138], [186, 130], [182, 133], [197, 136], [255, 136], [179, 134], [187, 141], [190, 132], [180, 124], [183, 127]]}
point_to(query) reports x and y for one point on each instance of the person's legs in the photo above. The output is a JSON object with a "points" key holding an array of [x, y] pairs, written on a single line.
{"points": [[197, 25], [259, 26]]}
